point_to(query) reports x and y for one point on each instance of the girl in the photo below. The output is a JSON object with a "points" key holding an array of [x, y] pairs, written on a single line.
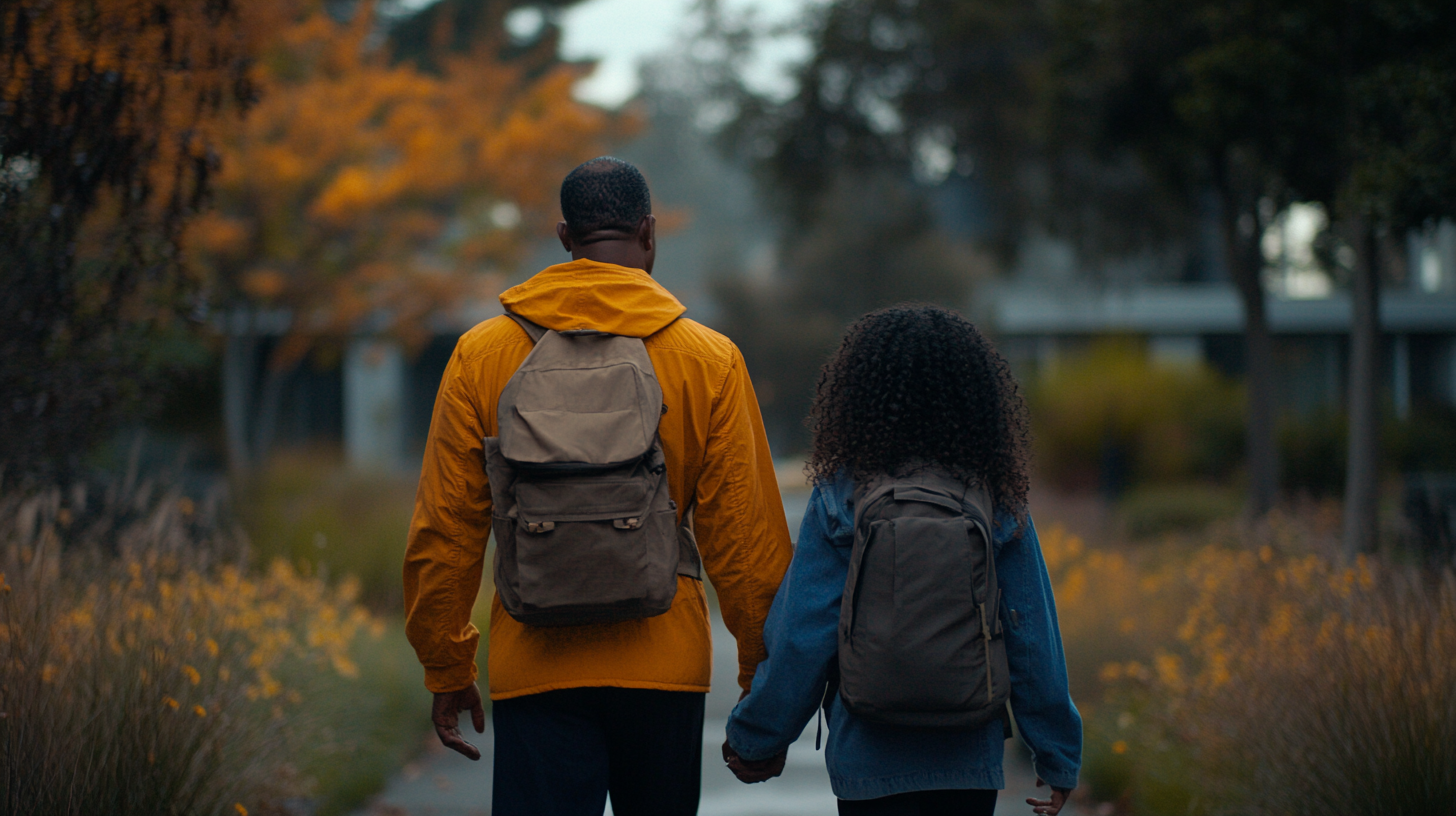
{"points": [[909, 386]]}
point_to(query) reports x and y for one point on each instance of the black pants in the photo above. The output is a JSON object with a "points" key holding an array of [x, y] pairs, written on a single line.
{"points": [[559, 753], [924, 803]]}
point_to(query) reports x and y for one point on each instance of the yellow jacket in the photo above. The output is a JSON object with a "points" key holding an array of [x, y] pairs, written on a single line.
{"points": [[714, 444]]}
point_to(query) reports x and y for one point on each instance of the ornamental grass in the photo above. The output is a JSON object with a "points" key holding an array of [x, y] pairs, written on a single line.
{"points": [[1252, 671], [143, 669]]}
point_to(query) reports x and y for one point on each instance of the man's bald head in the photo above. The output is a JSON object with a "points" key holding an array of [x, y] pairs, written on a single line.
{"points": [[605, 194]]}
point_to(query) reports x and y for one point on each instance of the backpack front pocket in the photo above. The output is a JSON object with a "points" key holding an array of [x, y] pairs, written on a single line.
{"points": [[590, 542]]}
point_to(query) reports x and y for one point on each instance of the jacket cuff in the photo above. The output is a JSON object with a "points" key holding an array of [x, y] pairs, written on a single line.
{"points": [[1066, 780], [736, 740], [453, 678]]}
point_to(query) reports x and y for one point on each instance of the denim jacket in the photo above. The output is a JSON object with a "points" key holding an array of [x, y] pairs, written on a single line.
{"points": [[868, 760]]}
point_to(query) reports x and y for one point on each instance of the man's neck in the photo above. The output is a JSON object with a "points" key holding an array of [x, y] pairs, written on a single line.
{"points": [[634, 250], [621, 252]]}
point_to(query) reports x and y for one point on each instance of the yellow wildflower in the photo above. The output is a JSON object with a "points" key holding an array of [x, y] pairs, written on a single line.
{"points": [[238, 806], [212, 648], [1119, 747], [170, 702], [1170, 671], [192, 674], [199, 711]]}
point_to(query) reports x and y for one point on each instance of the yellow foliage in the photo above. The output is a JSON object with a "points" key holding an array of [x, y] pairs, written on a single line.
{"points": [[1113, 609], [121, 645], [1291, 681]]}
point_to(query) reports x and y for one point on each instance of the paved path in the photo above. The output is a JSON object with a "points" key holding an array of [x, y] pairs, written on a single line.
{"points": [[443, 783]]}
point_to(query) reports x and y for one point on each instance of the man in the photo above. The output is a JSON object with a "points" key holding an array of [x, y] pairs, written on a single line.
{"points": [[580, 712]]}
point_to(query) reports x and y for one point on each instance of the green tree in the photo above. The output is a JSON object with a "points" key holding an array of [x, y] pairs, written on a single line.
{"points": [[1398, 65], [1226, 97]]}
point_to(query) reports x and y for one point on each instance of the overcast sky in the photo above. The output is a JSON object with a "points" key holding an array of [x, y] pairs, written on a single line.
{"points": [[619, 33]]}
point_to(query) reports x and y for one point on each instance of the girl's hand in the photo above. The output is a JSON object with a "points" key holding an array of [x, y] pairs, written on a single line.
{"points": [[750, 771], [1048, 807]]}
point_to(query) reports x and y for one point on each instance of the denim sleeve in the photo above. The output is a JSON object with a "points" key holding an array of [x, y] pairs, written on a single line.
{"points": [[801, 636], [1040, 700]]}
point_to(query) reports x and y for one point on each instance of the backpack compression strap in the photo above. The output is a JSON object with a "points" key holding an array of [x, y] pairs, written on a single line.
{"points": [[689, 561]]}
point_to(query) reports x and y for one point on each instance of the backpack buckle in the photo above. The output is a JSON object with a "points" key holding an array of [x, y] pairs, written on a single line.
{"points": [[627, 523], [540, 526]]}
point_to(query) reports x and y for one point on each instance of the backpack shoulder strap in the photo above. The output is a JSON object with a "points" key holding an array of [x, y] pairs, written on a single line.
{"points": [[532, 330]]}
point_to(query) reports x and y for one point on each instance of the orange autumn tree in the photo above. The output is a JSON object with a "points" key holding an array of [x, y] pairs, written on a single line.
{"points": [[363, 194]]}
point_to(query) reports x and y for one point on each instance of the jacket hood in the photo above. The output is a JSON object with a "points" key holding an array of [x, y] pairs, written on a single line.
{"points": [[593, 295]]}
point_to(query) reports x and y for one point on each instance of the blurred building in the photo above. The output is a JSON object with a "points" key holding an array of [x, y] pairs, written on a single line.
{"points": [[373, 398], [1041, 315]]}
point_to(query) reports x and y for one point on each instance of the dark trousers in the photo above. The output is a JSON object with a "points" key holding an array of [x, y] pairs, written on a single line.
{"points": [[560, 753], [924, 803]]}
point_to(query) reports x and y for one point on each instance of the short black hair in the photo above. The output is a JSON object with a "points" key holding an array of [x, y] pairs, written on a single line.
{"points": [[605, 193]]}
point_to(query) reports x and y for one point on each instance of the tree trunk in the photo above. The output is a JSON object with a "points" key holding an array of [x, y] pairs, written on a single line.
{"points": [[1245, 265], [1362, 474], [237, 389], [269, 403]]}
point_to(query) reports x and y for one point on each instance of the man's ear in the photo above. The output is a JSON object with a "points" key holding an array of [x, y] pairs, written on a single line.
{"points": [[647, 232], [564, 235]]}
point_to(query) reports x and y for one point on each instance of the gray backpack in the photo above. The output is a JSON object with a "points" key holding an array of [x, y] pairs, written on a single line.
{"points": [[585, 531], [920, 639]]}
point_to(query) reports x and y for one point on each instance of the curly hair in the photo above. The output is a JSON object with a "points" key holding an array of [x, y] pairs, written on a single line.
{"points": [[605, 193], [916, 384]]}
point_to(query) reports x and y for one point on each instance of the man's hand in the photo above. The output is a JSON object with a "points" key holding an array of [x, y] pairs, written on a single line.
{"points": [[1049, 807], [446, 715], [750, 771]]}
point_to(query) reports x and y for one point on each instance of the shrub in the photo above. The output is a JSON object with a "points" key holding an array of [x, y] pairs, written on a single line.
{"points": [[322, 518], [1312, 452], [1116, 418], [140, 670], [1155, 510], [1313, 447]]}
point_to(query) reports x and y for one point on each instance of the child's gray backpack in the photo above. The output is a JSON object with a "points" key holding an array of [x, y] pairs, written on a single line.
{"points": [[585, 531], [920, 640]]}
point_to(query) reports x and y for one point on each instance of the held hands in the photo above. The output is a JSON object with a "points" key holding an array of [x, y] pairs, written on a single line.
{"points": [[446, 715], [750, 771], [1049, 807]]}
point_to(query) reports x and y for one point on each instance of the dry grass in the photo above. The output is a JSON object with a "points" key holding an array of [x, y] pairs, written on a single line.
{"points": [[139, 668], [1249, 671]]}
